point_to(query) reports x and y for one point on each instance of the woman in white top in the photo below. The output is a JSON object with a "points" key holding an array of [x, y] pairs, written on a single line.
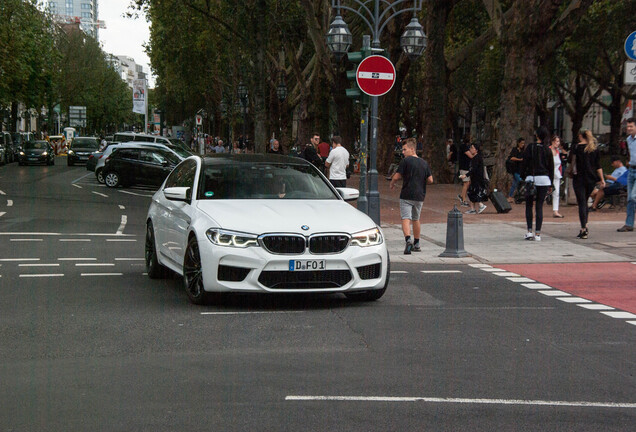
{"points": [[556, 182]]}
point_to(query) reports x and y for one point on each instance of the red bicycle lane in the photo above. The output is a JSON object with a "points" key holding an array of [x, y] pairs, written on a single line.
{"points": [[611, 284]]}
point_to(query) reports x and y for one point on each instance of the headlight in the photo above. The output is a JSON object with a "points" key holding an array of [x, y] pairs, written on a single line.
{"points": [[45, 154], [231, 238], [21, 153], [71, 152], [366, 238]]}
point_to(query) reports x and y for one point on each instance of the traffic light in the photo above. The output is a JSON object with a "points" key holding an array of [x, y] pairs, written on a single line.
{"points": [[354, 91]]}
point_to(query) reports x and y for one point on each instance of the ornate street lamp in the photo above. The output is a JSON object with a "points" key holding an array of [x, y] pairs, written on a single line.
{"points": [[281, 91], [413, 40], [242, 93], [339, 37]]}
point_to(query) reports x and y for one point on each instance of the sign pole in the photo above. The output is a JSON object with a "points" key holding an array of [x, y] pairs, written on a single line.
{"points": [[374, 194], [146, 107]]}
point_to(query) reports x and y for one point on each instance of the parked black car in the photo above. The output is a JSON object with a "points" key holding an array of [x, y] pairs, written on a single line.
{"points": [[36, 152], [81, 148], [138, 165], [19, 138]]}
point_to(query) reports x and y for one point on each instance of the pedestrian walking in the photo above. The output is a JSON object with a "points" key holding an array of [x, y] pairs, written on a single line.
{"points": [[538, 169], [478, 189], [631, 176], [587, 172], [557, 155], [310, 153], [513, 167], [415, 175], [465, 156], [337, 162]]}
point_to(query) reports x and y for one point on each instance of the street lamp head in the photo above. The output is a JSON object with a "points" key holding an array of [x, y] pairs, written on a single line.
{"points": [[339, 37], [413, 40], [281, 91], [242, 91]]}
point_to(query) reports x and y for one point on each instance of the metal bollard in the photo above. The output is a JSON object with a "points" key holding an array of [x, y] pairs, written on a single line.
{"points": [[454, 235]]}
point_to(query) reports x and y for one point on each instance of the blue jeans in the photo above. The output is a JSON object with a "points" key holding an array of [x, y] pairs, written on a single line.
{"points": [[516, 178], [631, 196]]}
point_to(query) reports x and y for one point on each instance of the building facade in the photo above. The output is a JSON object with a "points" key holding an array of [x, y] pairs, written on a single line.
{"points": [[83, 12]]}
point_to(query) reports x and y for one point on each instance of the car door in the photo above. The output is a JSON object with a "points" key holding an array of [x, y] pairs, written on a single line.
{"points": [[150, 167], [179, 213]]}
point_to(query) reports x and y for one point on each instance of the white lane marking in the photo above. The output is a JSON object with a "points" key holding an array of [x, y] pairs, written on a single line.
{"points": [[94, 264], [133, 193], [122, 225], [507, 274], [554, 293], [398, 272], [77, 259], [251, 313], [631, 322], [595, 306], [9, 203], [574, 300], [75, 240], [19, 259], [492, 269], [26, 240], [101, 274], [42, 275], [77, 186], [3, 213], [121, 240], [480, 266], [2, 193], [82, 177], [440, 271], [100, 194], [129, 259], [536, 286], [121, 207], [520, 279], [480, 401], [38, 265], [620, 315]]}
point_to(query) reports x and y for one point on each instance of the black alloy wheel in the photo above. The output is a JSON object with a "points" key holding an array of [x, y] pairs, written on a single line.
{"points": [[193, 273], [153, 268]]}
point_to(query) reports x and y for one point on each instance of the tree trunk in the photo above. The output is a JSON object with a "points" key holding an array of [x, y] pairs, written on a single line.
{"points": [[435, 90]]}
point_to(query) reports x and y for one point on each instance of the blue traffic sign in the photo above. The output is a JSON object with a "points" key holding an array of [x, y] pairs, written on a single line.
{"points": [[630, 46]]}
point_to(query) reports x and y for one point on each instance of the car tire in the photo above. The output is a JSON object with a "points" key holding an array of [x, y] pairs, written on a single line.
{"points": [[112, 179], [372, 295], [193, 273], [100, 176], [153, 268]]}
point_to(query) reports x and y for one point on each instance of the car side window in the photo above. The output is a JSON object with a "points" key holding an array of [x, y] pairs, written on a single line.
{"points": [[127, 154], [183, 175], [151, 157], [144, 138]]}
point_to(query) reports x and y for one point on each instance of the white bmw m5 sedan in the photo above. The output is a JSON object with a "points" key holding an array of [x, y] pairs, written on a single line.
{"points": [[257, 223]]}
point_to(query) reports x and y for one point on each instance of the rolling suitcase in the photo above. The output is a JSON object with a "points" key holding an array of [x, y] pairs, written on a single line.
{"points": [[500, 202]]}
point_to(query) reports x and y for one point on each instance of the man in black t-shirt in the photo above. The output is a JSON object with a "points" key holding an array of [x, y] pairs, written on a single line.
{"points": [[415, 174]]}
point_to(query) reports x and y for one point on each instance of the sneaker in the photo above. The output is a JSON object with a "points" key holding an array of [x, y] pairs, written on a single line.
{"points": [[465, 204], [470, 212], [416, 248], [408, 248], [625, 228], [481, 209], [591, 209], [459, 197], [529, 236], [601, 204], [582, 234], [537, 237]]}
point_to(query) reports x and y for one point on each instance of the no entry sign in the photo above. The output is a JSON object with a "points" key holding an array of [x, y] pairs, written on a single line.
{"points": [[375, 75]]}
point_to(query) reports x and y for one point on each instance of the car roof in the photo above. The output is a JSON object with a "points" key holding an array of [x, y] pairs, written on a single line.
{"points": [[253, 158]]}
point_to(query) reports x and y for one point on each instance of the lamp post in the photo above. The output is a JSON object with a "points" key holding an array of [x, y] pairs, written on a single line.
{"points": [[413, 43], [243, 98], [281, 93]]}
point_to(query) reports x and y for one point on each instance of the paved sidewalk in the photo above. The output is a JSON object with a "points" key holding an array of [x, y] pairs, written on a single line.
{"points": [[498, 238]]}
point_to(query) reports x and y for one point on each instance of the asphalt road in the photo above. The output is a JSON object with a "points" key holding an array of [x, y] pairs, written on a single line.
{"points": [[88, 342]]}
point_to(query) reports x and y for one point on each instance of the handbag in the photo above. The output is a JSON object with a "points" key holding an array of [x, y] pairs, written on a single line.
{"points": [[531, 189]]}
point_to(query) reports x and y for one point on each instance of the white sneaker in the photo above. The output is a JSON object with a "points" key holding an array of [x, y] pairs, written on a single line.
{"points": [[537, 237], [529, 236], [481, 208], [470, 212]]}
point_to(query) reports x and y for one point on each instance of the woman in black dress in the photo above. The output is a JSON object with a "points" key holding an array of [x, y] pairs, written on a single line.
{"points": [[587, 171]]}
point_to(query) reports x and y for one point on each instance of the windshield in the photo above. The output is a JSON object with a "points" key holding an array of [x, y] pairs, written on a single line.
{"points": [[85, 143], [35, 145], [179, 143], [242, 180], [181, 152]]}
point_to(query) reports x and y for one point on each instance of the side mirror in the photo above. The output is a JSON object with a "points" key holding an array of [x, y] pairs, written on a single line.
{"points": [[177, 193], [348, 194]]}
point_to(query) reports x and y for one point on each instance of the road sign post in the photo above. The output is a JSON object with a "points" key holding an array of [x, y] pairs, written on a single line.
{"points": [[630, 46]]}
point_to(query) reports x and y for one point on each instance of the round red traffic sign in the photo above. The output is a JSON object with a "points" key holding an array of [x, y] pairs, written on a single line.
{"points": [[375, 75]]}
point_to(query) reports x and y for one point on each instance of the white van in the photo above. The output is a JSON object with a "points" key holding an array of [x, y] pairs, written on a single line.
{"points": [[158, 139]]}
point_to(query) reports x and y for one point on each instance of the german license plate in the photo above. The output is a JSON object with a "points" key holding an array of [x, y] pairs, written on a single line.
{"points": [[307, 265]]}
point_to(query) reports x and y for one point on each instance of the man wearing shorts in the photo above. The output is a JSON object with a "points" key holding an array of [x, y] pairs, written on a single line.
{"points": [[415, 174]]}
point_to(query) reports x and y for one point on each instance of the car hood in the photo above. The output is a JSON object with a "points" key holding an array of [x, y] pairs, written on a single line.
{"points": [[35, 151], [269, 216], [84, 149]]}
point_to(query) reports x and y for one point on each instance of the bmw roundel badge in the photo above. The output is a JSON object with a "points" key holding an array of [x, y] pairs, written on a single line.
{"points": [[305, 227]]}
